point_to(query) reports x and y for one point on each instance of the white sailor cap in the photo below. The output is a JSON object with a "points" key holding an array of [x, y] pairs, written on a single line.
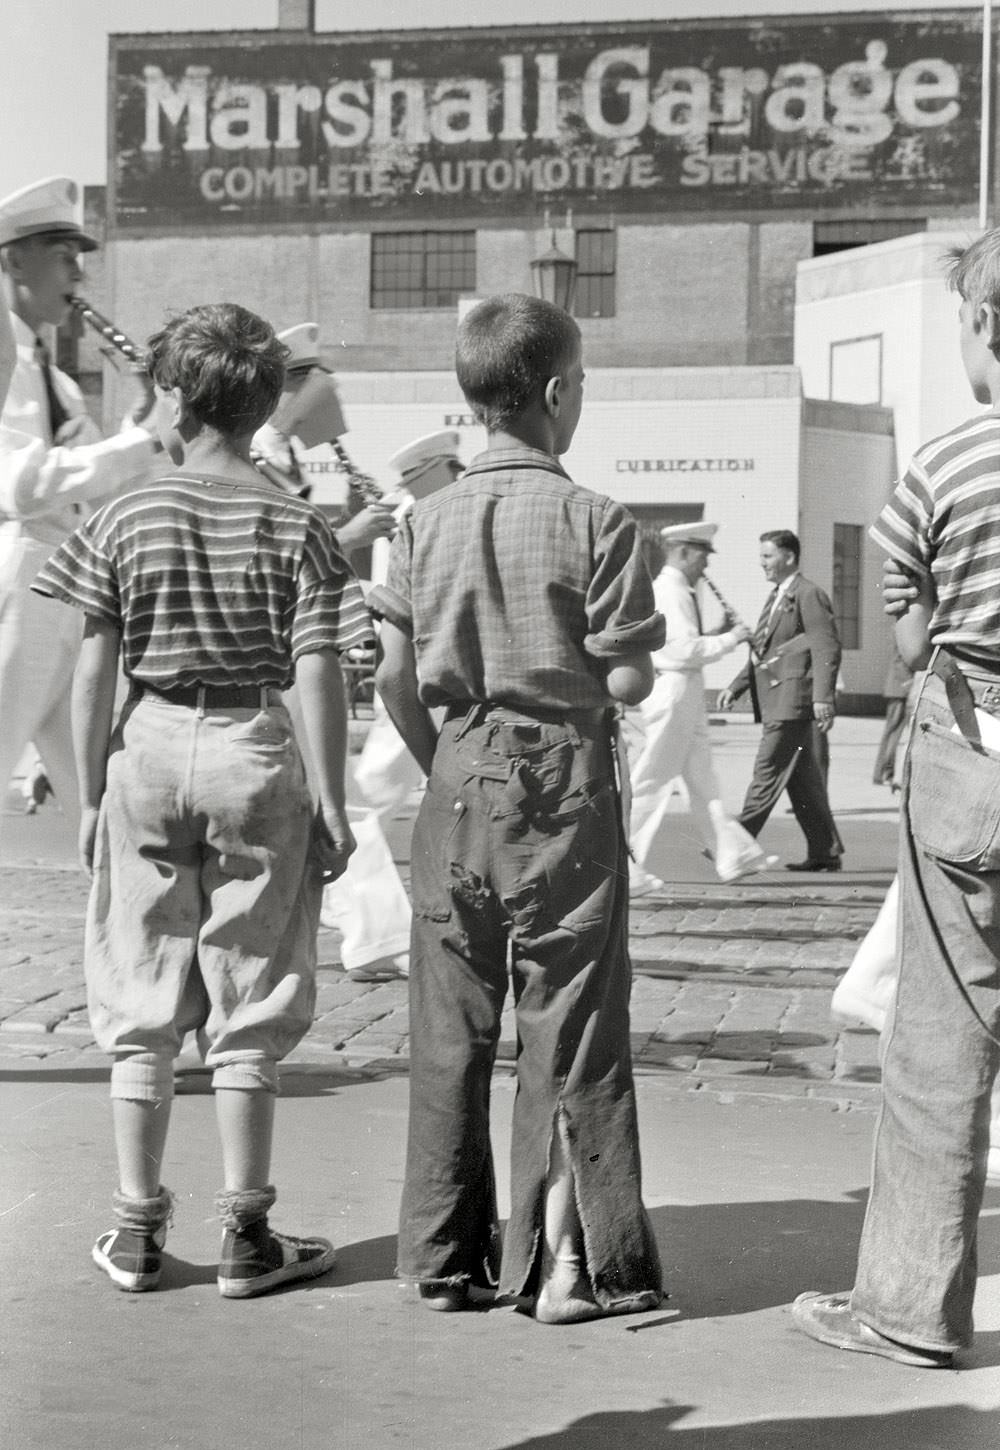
{"points": [[303, 345], [694, 533], [53, 207], [418, 456]]}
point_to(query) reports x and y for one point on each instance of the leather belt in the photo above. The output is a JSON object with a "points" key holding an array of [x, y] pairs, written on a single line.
{"points": [[214, 697]]}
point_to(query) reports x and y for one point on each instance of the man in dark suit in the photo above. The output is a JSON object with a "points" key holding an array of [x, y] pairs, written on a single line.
{"points": [[791, 677]]}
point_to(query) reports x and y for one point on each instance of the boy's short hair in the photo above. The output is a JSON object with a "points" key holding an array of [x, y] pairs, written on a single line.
{"points": [[227, 363], [974, 271], [508, 348], [783, 539]]}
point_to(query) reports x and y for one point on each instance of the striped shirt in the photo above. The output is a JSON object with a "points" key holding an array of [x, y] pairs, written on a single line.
{"points": [[944, 520], [518, 587], [211, 582]]}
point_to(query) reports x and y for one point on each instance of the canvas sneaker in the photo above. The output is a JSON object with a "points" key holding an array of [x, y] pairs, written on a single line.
{"points": [[255, 1260], [130, 1258]]}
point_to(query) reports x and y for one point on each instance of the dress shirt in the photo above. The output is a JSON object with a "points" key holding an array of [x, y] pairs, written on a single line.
{"points": [[686, 648], [40, 484]]}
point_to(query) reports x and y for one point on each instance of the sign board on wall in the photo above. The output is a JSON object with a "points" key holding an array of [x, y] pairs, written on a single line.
{"points": [[277, 128]]}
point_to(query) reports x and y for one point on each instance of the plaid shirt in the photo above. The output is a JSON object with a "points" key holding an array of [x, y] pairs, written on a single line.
{"points": [[518, 588]]}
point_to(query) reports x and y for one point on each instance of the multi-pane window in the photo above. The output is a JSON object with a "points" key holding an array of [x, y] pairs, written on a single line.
{"points": [[595, 273], [847, 545], [422, 269]]}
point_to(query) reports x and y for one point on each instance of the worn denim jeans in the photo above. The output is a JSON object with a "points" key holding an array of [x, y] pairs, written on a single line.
{"points": [[518, 844], [916, 1274]]}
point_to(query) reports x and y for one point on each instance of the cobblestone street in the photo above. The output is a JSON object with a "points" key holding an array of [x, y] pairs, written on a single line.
{"points": [[731, 991]]}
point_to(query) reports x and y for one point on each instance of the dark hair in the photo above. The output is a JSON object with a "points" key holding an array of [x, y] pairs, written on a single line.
{"points": [[508, 348], [227, 363], [783, 539]]}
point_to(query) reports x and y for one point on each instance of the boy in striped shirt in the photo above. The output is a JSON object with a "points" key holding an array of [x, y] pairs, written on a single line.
{"points": [[206, 853], [916, 1277]]}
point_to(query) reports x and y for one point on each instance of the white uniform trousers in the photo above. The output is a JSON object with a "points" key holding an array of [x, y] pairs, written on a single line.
{"points": [[675, 743]]}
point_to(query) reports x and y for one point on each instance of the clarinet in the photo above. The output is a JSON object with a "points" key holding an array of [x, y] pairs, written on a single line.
{"points": [[361, 485], [731, 613], [118, 339]]}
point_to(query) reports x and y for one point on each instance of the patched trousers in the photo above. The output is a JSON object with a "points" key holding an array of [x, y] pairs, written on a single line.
{"points": [[518, 854]]}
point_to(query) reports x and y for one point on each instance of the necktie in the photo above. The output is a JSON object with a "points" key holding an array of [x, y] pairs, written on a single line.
{"points": [[761, 632], [697, 611], [57, 413]]}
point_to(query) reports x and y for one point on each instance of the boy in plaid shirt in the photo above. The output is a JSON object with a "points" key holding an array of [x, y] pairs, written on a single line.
{"points": [[518, 605]]}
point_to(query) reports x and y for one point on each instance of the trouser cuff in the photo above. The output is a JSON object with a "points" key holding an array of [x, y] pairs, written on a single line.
{"points": [[247, 1074], [239, 1207], [144, 1077]]}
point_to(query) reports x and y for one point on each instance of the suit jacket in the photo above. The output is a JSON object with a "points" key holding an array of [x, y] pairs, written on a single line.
{"points": [[801, 657]]}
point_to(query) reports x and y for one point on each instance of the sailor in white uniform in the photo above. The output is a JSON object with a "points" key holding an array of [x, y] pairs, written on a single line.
{"points": [[674, 724]]}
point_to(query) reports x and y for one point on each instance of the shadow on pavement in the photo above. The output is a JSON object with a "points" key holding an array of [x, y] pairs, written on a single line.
{"points": [[924, 1429], [366, 1262], [55, 1074], [735, 1258]]}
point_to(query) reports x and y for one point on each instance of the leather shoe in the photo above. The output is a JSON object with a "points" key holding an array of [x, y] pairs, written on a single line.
{"points": [[824, 863]]}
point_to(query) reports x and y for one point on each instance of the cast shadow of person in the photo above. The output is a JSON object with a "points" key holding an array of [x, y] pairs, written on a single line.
{"points": [[736, 1258], [730, 1258], [920, 1429]]}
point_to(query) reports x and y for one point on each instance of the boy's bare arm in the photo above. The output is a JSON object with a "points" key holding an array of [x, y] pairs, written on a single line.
{"points": [[913, 627], [93, 705], [631, 678], [323, 698], [396, 681]]}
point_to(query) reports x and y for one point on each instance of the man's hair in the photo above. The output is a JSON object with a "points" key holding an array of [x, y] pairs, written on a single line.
{"points": [[227, 363], [783, 539], [508, 348], [974, 273]]}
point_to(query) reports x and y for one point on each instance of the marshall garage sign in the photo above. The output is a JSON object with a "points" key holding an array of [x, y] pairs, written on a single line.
{"points": [[272, 128]]}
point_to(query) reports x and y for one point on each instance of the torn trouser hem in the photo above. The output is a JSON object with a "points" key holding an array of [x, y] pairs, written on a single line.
{"points": [[454, 1281]]}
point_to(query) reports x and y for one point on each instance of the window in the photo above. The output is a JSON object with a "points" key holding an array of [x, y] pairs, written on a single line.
{"points": [[595, 273], [422, 269], [856, 369], [652, 517], [841, 236], [847, 541]]}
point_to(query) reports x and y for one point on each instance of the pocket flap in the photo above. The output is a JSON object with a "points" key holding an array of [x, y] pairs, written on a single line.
{"points": [[954, 798]]}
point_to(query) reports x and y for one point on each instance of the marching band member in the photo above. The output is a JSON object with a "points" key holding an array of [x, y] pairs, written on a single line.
{"points": [[54, 468], [675, 723]]}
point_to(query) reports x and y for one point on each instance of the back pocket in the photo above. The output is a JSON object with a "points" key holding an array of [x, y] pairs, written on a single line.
{"points": [[954, 798]]}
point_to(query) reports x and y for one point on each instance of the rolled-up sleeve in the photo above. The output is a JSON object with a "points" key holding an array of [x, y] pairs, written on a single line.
{"points": [[81, 573], [330, 610], [622, 618], [393, 600], [903, 527]]}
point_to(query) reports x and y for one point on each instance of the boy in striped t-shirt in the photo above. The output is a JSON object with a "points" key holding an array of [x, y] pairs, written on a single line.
{"points": [[916, 1277], [206, 853]]}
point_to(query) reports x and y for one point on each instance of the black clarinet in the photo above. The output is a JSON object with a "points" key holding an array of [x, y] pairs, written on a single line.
{"points": [[119, 340]]}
